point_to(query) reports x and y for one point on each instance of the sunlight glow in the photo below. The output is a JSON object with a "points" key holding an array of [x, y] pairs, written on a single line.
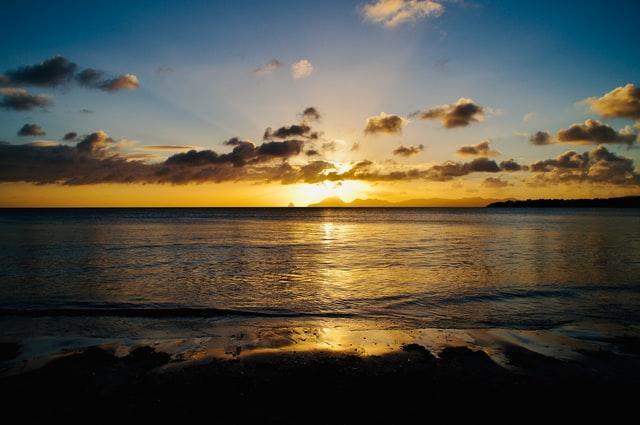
{"points": [[305, 194]]}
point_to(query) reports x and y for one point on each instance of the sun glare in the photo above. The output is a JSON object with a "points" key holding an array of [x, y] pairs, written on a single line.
{"points": [[306, 194]]}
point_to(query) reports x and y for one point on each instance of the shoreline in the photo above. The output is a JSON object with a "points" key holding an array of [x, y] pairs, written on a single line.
{"points": [[232, 339], [245, 365]]}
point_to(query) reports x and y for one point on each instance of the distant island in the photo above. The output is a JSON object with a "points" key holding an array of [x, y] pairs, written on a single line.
{"points": [[334, 202], [622, 202]]}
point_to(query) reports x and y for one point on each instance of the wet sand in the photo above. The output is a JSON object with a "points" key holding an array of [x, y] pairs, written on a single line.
{"points": [[321, 375]]}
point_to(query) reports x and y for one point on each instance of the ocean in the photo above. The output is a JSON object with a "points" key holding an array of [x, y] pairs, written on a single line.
{"points": [[153, 272]]}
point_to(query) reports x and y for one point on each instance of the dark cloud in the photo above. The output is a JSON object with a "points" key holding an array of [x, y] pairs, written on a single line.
{"points": [[52, 72], [481, 149], [621, 102], [355, 146], [95, 159], [596, 166], [460, 114], [234, 141], [58, 71], [495, 183], [95, 144], [592, 131], [385, 123], [86, 111], [311, 114], [407, 151], [243, 153], [541, 138], [312, 152], [89, 77], [450, 170], [511, 165], [28, 130], [20, 100], [295, 130], [70, 136], [285, 149]]}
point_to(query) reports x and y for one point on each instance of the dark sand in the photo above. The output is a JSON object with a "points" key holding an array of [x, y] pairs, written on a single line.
{"points": [[409, 384]]}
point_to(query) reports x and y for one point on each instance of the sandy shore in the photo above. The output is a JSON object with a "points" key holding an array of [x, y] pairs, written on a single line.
{"points": [[318, 375]]}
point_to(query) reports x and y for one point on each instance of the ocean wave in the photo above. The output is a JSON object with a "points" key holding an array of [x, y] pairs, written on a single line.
{"points": [[158, 312]]}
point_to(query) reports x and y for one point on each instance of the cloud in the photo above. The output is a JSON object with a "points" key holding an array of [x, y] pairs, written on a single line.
{"points": [[541, 138], [460, 114], [312, 152], [495, 183], [512, 165], [29, 130], [407, 151], [385, 123], [66, 165], [95, 144], [72, 135], [235, 141], [268, 68], [311, 114], [95, 79], [446, 171], [86, 111], [243, 153], [97, 159], [89, 77], [449, 169], [20, 100], [43, 143], [529, 116], [596, 166], [122, 82], [285, 149], [167, 147], [52, 72], [58, 71], [295, 130], [392, 13], [301, 69], [481, 149], [592, 131], [621, 102], [330, 146]]}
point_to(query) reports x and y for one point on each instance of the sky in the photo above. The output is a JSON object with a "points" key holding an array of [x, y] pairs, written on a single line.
{"points": [[247, 103]]}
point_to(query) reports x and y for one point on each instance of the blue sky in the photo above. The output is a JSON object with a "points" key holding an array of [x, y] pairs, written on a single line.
{"points": [[513, 58]]}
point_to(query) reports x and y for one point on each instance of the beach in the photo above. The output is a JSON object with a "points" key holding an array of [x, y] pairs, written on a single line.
{"points": [[279, 374]]}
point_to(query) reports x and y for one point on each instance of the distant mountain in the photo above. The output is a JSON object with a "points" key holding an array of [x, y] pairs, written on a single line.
{"points": [[623, 202], [430, 202]]}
